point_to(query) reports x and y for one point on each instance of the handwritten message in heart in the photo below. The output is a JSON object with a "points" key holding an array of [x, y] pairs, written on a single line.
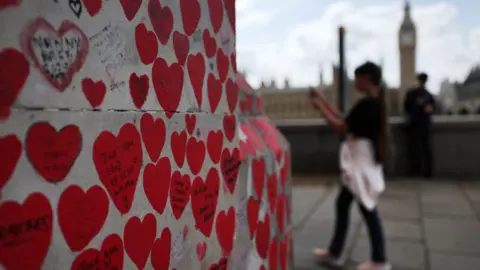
{"points": [[180, 190], [118, 160], [205, 200], [110, 256], [230, 164]]}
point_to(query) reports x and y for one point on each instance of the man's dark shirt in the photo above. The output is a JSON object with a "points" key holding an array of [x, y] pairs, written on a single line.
{"points": [[414, 106]]}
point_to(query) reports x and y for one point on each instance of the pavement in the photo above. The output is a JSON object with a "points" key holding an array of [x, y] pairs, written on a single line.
{"points": [[429, 225]]}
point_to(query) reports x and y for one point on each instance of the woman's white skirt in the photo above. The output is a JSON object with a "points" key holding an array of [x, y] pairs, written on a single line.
{"points": [[360, 173]]}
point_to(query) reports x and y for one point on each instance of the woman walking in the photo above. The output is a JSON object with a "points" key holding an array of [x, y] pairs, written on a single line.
{"points": [[362, 155]]}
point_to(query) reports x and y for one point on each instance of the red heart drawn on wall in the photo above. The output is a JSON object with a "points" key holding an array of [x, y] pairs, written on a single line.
{"points": [[81, 215], [196, 72], [12, 150], [153, 135], [26, 229], [230, 126], [222, 65], [139, 237], [259, 104], [168, 84], [139, 89], [252, 212], [230, 164], [215, 8], [215, 145], [214, 91], [178, 144], [233, 60], [180, 190], [181, 45], [281, 212], [272, 191], [161, 19], [38, 40], [147, 45], [156, 183], [258, 174], [225, 228], [283, 254], [93, 6], [273, 254], [230, 8], [249, 102], [190, 15], [118, 160], [205, 200], [190, 122], [130, 8], [285, 170], [14, 71], [252, 137], [262, 267], [110, 255], [209, 43], [243, 106], [222, 264], [94, 91], [201, 250], [9, 3], [232, 95], [160, 256], [195, 154], [53, 153], [262, 238]]}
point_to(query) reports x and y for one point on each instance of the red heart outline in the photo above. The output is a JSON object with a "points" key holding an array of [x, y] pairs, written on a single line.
{"points": [[35, 242], [205, 201], [156, 183], [12, 150], [125, 149], [53, 153], [180, 192], [81, 215], [196, 73], [160, 256], [225, 229], [139, 237], [14, 71], [168, 85], [41, 24], [146, 43], [94, 91], [215, 90], [154, 132], [139, 87], [110, 255]]}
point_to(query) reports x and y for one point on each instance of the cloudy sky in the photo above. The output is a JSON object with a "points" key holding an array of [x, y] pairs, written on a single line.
{"points": [[293, 38]]}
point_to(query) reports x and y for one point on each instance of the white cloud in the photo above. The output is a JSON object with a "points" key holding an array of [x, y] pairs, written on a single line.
{"points": [[442, 50]]}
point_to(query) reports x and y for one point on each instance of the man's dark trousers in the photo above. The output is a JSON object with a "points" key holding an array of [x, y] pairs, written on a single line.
{"points": [[420, 151]]}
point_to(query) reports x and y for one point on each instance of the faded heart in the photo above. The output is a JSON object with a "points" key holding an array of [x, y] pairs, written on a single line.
{"points": [[53, 153]]}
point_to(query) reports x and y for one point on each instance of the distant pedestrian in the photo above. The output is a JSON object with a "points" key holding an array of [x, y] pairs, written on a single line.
{"points": [[419, 106], [362, 156]]}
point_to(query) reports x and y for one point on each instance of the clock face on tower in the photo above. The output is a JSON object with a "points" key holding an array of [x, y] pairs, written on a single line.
{"points": [[407, 38]]}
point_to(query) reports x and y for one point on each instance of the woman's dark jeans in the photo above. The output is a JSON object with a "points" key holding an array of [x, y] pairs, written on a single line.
{"points": [[372, 219]]}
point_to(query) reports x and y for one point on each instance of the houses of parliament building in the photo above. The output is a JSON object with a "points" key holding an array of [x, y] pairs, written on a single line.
{"points": [[293, 103]]}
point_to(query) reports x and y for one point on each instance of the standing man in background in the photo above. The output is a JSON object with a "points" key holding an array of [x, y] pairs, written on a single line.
{"points": [[419, 105]]}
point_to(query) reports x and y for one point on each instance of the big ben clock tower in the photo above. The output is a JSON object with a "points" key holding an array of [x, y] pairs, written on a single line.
{"points": [[407, 42]]}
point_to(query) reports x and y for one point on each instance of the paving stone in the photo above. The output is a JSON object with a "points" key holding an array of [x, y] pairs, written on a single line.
{"points": [[397, 229], [460, 208], [304, 198], [472, 189], [454, 235], [401, 254], [402, 209], [440, 261]]}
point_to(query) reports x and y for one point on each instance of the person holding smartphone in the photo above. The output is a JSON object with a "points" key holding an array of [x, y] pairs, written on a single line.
{"points": [[362, 155]]}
